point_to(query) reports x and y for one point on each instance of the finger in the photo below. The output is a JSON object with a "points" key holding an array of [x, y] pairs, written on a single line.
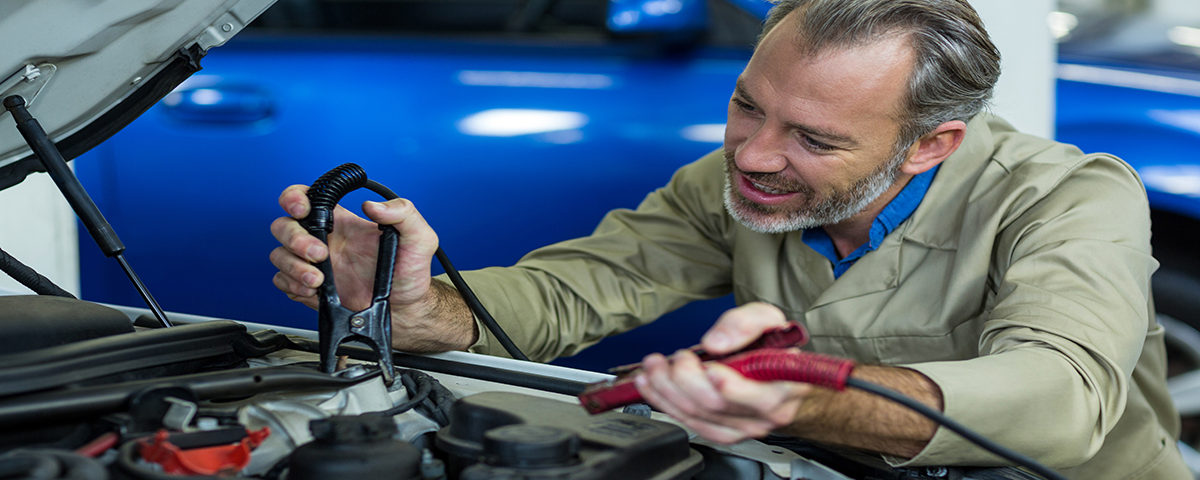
{"points": [[291, 287], [418, 243], [689, 376], [296, 269], [679, 398], [415, 232], [662, 390], [294, 291], [294, 201], [775, 403], [740, 326], [295, 238]]}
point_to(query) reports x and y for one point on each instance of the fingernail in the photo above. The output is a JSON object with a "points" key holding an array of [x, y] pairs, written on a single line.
{"points": [[295, 210], [310, 280], [315, 252], [718, 340]]}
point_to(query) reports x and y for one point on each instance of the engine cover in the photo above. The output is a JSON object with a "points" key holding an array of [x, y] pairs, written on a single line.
{"points": [[514, 436]]}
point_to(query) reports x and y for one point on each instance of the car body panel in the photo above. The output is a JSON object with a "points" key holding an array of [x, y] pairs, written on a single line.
{"points": [[505, 144], [503, 150], [1150, 119]]}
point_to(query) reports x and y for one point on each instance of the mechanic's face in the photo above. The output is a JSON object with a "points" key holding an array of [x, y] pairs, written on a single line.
{"points": [[810, 140]]}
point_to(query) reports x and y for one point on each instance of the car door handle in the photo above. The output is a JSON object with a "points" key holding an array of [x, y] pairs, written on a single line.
{"points": [[219, 104]]}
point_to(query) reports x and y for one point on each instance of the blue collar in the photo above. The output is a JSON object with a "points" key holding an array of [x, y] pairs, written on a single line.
{"points": [[895, 213]]}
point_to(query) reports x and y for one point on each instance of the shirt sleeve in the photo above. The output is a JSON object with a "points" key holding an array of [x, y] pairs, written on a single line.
{"points": [[1071, 274], [636, 266]]}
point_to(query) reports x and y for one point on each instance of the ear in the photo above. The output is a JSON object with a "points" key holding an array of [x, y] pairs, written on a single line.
{"points": [[932, 148]]}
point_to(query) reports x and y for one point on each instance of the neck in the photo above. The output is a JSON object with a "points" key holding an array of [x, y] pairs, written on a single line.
{"points": [[854, 232]]}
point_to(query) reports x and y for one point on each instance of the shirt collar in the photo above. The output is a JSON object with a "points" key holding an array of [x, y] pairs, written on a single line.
{"points": [[893, 214]]}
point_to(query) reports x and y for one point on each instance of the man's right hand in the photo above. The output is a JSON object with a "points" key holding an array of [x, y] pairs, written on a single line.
{"points": [[426, 315]]}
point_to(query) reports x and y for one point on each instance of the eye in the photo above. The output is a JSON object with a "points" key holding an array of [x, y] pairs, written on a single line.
{"points": [[744, 106], [815, 145]]}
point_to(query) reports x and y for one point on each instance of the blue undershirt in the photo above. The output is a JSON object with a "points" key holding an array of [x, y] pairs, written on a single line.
{"points": [[895, 213]]}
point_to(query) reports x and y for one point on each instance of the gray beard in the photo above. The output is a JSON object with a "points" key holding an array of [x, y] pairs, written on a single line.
{"points": [[837, 207]]}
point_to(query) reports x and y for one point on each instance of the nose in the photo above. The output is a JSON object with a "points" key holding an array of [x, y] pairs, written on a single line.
{"points": [[762, 151]]}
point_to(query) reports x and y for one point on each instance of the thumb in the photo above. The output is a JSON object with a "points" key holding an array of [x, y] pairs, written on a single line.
{"points": [[404, 217], [740, 326]]}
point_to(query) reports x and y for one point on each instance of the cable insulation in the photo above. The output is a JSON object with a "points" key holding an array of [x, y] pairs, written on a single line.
{"points": [[956, 427], [460, 284]]}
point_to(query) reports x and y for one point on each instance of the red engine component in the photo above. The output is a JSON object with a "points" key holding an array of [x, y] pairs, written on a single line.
{"points": [[210, 460]]}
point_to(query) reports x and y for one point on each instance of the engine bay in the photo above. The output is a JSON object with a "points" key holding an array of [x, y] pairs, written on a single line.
{"points": [[218, 399]]}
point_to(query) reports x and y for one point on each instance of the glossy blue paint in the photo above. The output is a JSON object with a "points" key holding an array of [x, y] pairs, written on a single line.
{"points": [[1151, 119], [758, 8], [505, 145], [504, 149], [660, 16]]}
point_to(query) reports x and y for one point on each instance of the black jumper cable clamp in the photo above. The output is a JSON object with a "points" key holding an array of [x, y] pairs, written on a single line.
{"points": [[336, 323]]}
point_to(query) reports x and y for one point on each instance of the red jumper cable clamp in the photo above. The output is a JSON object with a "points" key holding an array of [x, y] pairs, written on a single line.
{"points": [[770, 358]]}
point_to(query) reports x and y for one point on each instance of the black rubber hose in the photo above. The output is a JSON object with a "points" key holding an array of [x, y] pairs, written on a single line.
{"points": [[417, 394], [324, 194], [29, 277], [983, 442], [47, 464]]}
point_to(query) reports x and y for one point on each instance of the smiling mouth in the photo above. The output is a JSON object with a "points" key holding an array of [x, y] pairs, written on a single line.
{"points": [[767, 189]]}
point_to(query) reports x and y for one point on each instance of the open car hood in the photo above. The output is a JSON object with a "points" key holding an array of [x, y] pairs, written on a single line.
{"points": [[88, 69]]}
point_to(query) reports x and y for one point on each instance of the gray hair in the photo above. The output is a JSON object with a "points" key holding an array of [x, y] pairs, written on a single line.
{"points": [[956, 64]]}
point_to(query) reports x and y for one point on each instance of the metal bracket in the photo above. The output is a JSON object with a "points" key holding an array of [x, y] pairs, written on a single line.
{"points": [[28, 82]]}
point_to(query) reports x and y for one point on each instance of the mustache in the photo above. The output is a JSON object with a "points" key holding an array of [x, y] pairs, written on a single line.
{"points": [[773, 180]]}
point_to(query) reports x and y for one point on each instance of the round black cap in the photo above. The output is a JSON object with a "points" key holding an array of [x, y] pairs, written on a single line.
{"points": [[530, 446]]}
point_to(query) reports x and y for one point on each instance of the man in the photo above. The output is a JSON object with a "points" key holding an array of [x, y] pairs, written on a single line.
{"points": [[995, 276]]}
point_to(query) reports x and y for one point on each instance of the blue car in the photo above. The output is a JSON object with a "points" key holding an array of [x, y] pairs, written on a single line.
{"points": [[516, 124]]}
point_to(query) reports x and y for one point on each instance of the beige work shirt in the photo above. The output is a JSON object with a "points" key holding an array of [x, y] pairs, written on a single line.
{"points": [[1019, 285]]}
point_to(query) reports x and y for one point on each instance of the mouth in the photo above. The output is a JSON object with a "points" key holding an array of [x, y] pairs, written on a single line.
{"points": [[768, 189], [764, 194]]}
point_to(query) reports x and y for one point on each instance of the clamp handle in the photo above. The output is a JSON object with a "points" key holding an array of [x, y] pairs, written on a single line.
{"points": [[768, 364], [793, 334], [337, 324]]}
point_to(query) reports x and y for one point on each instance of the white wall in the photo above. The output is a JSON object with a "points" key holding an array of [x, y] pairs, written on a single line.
{"points": [[1025, 93], [37, 227]]}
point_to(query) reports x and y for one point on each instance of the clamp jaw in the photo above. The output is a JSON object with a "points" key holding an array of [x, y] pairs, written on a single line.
{"points": [[336, 323]]}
